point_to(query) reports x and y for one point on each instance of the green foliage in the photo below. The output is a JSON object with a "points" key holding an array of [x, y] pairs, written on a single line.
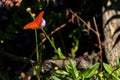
{"points": [[118, 63], [111, 72], [75, 35], [37, 69], [71, 72], [88, 73]]}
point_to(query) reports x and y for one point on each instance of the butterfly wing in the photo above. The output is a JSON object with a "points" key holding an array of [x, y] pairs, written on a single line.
{"points": [[31, 25], [38, 19], [36, 23]]}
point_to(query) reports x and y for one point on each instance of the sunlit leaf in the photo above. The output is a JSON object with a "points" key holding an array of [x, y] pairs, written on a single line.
{"points": [[74, 70], [62, 72], [111, 71], [55, 78]]}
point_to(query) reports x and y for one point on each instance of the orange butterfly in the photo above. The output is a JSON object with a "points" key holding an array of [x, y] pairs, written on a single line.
{"points": [[36, 24]]}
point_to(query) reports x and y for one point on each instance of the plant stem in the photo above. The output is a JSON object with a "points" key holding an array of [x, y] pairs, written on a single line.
{"points": [[49, 40], [58, 51], [37, 53]]}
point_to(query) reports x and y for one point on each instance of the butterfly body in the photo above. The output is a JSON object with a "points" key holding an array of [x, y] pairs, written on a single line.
{"points": [[36, 24]]}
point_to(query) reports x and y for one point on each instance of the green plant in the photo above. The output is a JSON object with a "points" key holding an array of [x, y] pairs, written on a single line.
{"points": [[71, 72], [111, 73], [37, 24], [58, 51], [75, 35]]}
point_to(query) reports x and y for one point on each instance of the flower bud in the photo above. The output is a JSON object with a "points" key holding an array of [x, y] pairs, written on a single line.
{"points": [[33, 15], [28, 9]]}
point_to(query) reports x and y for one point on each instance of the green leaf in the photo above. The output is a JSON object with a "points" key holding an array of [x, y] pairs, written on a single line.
{"points": [[60, 54], [61, 78], [62, 72], [88, 73], [68, 78], [74, 70], [37, 69], [67, 68], [93, 69], [52, 41], [85, 72], [118, 71], [55, 78], [118, 62], [110, 70]]}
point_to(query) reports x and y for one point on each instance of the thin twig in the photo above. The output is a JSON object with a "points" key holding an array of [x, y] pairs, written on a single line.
{"points": [[89, 27], [99, 41], [98, 35], [95, 31]]}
